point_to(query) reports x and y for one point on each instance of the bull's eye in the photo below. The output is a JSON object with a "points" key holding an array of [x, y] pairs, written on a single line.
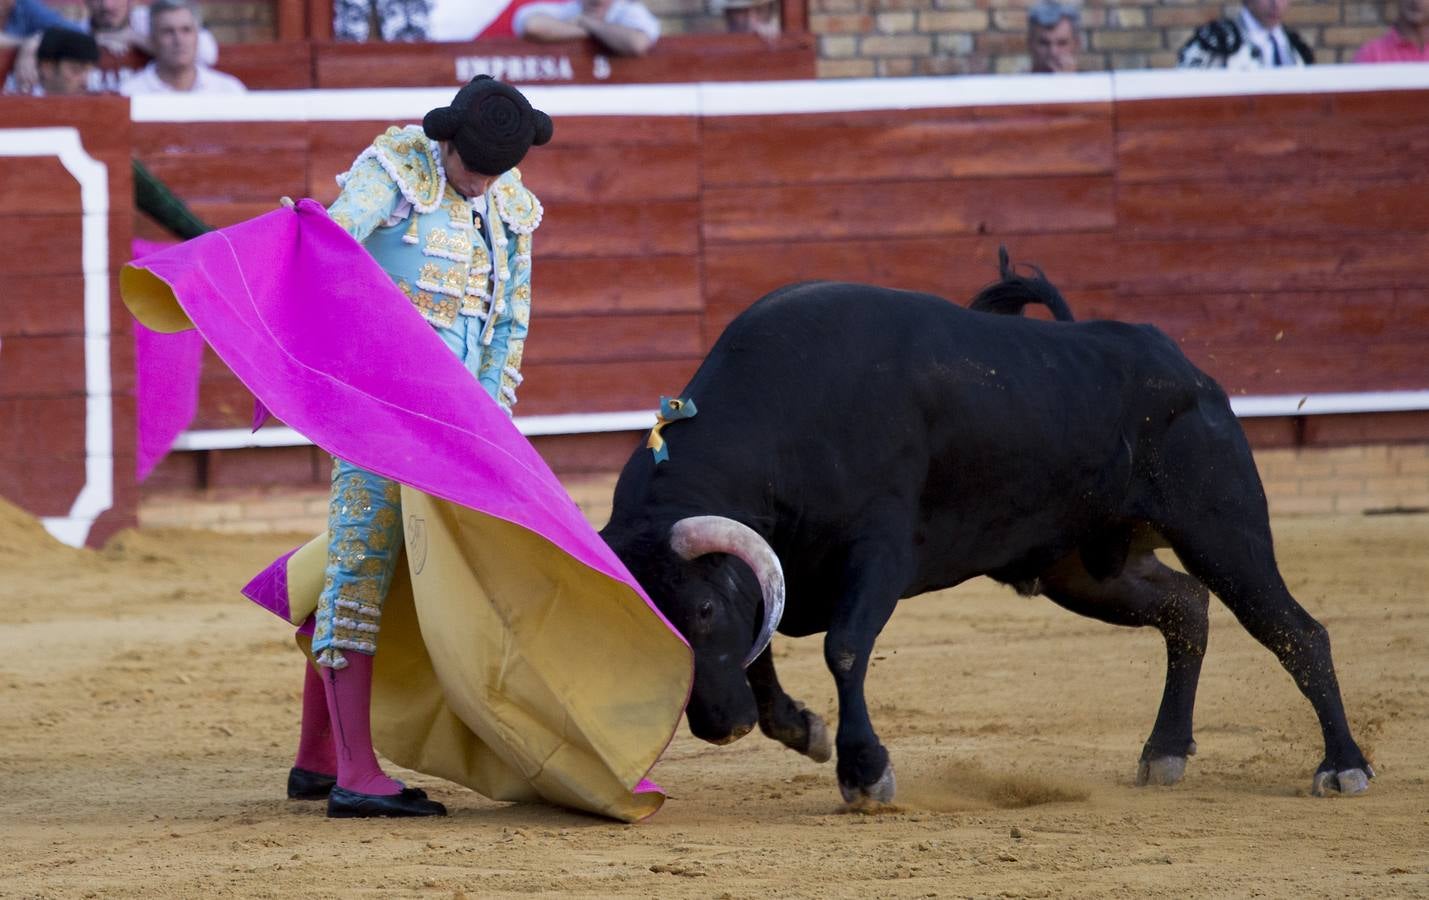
{"points": [[706, 610]]}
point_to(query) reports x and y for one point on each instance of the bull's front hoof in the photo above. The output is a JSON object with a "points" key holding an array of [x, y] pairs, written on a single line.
{"points": [[863, 796], [739, 732], [1349, 782], [820, 748], [1161, 770]]}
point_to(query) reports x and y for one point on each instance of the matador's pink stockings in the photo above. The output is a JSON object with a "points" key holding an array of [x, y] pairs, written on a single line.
{"points": [[315, 748], [349, 700]]}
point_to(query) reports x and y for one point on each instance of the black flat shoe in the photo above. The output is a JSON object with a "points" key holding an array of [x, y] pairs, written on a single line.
{"points": [[345, 804], [304, 784], [307, 785]]}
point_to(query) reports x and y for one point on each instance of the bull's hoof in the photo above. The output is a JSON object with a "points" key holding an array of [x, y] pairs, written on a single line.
{"points": [[1348, 782], [863, 796], [1161, 770], [820, 748], [738, 732]]}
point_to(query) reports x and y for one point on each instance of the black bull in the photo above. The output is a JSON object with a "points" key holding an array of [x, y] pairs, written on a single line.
{"points": [[883, 444]]}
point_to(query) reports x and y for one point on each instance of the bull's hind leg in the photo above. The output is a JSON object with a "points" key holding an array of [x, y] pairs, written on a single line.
{"points": [[1216, 520], [783, 718], [1148, 593]]}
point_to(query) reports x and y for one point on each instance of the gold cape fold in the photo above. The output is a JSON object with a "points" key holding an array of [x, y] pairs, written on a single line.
{"points": [[499, 665]]}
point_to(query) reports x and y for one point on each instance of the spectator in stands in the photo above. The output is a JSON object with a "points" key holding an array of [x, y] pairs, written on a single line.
{"points": [[21, 23], [65, 60], [119, 26], [122, 25], [1052, 40], [397, 20], [25, 19], [176, 69], [759, 17], [1405, 41], [1252, 39], [624, 27]]}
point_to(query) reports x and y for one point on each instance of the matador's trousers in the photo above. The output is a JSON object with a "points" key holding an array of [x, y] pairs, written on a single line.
{"points": [[365, 537]]}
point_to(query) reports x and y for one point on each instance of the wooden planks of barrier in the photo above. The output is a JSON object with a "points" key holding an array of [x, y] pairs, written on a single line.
{"points": [[53, 396], [1276, 238]]}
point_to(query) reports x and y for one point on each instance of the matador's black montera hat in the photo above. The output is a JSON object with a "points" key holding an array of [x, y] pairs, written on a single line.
{"points": [[491, 123]]}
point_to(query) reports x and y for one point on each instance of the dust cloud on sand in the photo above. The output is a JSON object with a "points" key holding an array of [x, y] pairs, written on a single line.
{"points": [[148, 716]]}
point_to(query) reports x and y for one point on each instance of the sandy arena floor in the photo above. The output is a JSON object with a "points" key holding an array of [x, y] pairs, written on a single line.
{"points": [[148, 716]]}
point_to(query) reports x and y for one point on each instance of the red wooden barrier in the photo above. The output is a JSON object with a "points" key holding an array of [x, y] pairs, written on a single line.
{"points": [[1286, 254], [55, 460], [1277, 271]]}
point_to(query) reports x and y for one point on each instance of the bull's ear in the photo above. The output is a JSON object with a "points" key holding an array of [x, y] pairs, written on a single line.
{"points": [[1004, 265]]}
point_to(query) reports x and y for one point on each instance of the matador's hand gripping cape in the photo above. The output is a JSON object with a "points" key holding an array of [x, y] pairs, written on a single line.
{"points": [[519, 657]]}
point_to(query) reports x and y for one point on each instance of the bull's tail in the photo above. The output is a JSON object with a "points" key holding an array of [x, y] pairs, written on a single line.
{"points": [[1008, 295]]}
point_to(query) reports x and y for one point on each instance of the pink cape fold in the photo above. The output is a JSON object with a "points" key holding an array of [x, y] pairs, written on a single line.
{"points": [[306, 319], [166, 376]]}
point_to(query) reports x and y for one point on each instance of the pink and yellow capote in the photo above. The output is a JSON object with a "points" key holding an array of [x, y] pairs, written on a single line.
{"points": [[518, 656]]}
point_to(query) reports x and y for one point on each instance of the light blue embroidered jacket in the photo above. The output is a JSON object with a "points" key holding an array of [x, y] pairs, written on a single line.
{"points": [[471, 282]]}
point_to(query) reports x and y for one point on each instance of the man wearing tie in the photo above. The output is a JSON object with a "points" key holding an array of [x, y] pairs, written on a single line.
{"points": [[1253, 39]]}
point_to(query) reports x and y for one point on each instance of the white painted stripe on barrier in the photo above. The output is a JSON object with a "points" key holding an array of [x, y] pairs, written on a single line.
{"points": [[613, 99], [409, 104], [871, 94], [236, 438], [640, 420], [97, 494], [255, 106], [1330, 404], [1170, 84], [585, 423], [530, 426], [789, 97]]}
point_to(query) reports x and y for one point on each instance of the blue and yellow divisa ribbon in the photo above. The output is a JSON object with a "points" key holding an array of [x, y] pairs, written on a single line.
{"points": [[672, 409]]}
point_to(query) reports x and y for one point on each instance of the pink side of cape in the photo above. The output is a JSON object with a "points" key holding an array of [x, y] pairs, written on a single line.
{"points": [[166, 375], [306, 319]]}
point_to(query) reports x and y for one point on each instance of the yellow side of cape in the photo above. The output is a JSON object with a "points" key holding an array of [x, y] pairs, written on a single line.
{"points": [[505, 665]]}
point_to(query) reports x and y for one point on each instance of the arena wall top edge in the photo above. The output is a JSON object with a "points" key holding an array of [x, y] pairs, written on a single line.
{"points": [[795, 97]]}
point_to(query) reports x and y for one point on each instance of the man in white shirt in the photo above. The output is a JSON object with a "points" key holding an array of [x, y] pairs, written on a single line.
{"points": [[121, 25], [1253, 39], [175, 26], [118, 26], [624, 27]]}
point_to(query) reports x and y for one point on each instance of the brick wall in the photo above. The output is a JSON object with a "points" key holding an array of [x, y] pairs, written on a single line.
{"points": [[864, 38], [1346, 479]]}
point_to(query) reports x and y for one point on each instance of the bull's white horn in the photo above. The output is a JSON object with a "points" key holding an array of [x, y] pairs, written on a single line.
{"points": [[699, 535]]}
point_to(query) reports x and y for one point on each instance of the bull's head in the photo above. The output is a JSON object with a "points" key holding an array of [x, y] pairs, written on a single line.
{"points": [[710, 601]]}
